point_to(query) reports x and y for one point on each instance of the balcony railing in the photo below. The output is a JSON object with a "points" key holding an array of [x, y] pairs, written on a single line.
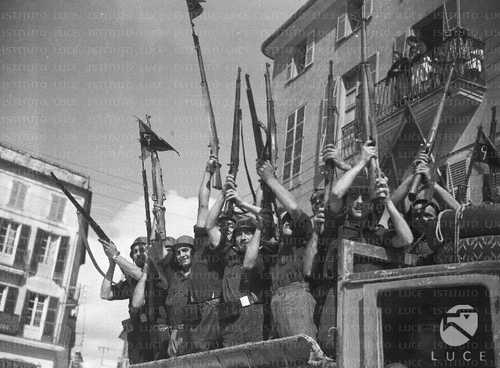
{"points": [[429, 71]]}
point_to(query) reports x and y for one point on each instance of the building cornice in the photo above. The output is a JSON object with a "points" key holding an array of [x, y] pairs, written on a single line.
{"points": [[283, 27], [31, 343]]}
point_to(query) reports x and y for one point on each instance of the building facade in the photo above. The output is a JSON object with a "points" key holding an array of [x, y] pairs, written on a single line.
{"points": [[40, 256], [323, 30]]}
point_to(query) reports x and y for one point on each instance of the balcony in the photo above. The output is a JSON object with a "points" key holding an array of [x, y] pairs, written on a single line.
{"points": [[429, 72], [420, 89]]}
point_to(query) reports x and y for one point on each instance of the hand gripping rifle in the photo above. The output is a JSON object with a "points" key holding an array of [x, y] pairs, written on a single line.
{"points": [[235, 143], [431, 139], [263, 153]]}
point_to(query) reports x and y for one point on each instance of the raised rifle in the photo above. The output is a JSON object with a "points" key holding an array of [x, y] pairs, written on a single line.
{"points": [[369, 123], [262, 154], [235, 143], [207, 101], [271, 144], [431, 138], [97, 229]]}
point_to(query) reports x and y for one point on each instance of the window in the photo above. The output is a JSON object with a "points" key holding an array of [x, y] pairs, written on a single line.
{"points": [[293, 144], [36, 309], [350, 135], [17, 195], [9, 236], [57, 206], [48, 245], [350, 21], [303, 56]]}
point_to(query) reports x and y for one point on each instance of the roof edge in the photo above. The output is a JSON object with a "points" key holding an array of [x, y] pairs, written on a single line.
{"points": [[284, 26]]}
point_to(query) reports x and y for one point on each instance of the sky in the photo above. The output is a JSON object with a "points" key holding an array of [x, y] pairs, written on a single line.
{"points": [[74, 73]]}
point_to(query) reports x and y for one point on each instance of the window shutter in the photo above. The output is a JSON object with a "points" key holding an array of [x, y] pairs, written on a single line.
{"points": [[310, 48], [289, 70], [26, 315], [36, 250], [400, 44], [57, 206], [17, 195], [343, 27], [458, 172], [50, 319], [340, 105], [10, 303], [22, 247], [368, 4], [61, 260]]}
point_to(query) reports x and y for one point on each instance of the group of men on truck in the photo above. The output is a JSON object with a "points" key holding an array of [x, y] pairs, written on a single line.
{"points": [[234, 283]]}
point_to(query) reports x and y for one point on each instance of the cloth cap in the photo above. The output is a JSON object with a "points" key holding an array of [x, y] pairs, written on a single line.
{"points": [[169, 241], [184, 240], [246, 222], [139, 240]]}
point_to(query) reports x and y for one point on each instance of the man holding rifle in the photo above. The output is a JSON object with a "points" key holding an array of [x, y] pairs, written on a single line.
{"points": [[345, 216], [143, 343]]}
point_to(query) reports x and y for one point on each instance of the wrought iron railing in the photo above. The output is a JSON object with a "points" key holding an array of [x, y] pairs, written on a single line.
{"points": [[428, 72]]}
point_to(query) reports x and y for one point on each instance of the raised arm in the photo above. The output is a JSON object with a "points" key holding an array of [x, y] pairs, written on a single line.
{"points": [[266, 172], [342, 185], [138, 298], [446, 197], [214, 233], [232, 195], [404, 236], [204, 192], [252, 251], [127, 267], [106, 290], [312, 245]]}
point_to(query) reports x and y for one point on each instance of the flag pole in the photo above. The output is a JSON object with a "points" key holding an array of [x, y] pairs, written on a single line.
{"points": [[146, 191], [214, 140]]}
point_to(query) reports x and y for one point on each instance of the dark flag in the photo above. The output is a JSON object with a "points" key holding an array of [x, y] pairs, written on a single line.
{"points": [[485, 151], [150, 141], [195, 8]]}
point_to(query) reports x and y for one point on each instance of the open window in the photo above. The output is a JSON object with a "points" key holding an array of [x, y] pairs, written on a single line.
{"points": [[302, 57], [350, 21]]}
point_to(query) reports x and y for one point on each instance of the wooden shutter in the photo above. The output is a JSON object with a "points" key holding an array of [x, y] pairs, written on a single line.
{"points": [[57, 206], [368, 4], [17, 195], [11, 301], [343, 26], [400, 44], [37, 250], [25, 316], [61, 260], [22, 247], [50, 319], [310, 48]]}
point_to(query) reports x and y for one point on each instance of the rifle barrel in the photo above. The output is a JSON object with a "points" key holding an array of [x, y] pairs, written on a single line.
{"points": [[412, 193]]}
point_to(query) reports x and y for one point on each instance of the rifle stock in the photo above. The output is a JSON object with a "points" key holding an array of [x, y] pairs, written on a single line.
{"points": [[429, 144], [257, 134]]}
